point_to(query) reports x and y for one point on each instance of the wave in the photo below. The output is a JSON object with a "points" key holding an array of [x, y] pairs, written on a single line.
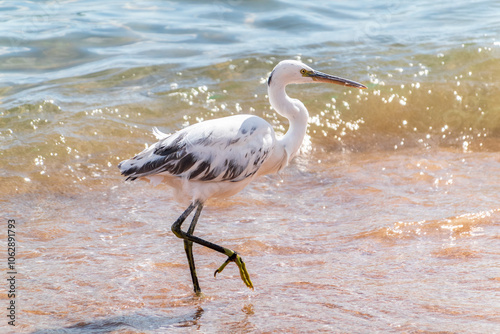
{"points": [[468, 225]]}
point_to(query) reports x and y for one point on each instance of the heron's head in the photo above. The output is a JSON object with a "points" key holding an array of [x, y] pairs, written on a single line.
{"points": [[293, 71]]}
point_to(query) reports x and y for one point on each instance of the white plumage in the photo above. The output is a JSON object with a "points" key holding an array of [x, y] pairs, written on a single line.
{"points": [[218, 158]]}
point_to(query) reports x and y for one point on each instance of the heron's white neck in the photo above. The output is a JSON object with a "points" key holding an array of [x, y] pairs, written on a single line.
{"points": [[296, 113]]}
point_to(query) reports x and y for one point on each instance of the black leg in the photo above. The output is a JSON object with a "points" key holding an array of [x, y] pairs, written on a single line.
{"points": [[188, 243], [188, 247]]}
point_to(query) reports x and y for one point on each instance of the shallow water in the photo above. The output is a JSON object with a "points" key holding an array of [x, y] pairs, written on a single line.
{"points": [[388, 220]]}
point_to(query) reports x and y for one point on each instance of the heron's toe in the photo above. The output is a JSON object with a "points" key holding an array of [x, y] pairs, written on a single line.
{"points": [[234, 257], [245, 276]]}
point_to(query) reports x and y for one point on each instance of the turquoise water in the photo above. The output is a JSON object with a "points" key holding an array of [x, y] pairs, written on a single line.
{"points": [[387, 221]]}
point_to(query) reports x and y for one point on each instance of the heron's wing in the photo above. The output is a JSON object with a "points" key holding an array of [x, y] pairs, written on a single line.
{"points": [[227, 149]]}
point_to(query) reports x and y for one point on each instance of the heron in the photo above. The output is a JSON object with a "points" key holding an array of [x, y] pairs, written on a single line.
{"points": [[218, 158]]}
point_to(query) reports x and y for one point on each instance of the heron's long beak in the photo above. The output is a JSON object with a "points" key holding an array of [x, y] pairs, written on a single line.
{"points": [[323, 77]]}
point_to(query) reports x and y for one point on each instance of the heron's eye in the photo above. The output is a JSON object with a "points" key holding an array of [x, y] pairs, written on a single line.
{"points": [[303, 71]]}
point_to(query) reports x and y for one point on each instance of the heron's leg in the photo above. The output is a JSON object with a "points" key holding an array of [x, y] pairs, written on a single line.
{"points": [[188, 247], [188, 237]]}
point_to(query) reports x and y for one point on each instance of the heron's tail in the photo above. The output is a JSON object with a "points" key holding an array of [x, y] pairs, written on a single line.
{"points": [[127, 168]]}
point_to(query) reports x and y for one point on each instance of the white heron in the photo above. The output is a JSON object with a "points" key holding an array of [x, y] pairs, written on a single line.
{"points": [[218, 158]]}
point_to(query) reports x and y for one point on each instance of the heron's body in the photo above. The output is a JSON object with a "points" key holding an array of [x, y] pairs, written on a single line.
{"points": [[218, 158], [211, 159]]}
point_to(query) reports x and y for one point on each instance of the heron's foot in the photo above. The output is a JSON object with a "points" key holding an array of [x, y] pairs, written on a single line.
{"points": [[234, 257], [199, 294]]}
